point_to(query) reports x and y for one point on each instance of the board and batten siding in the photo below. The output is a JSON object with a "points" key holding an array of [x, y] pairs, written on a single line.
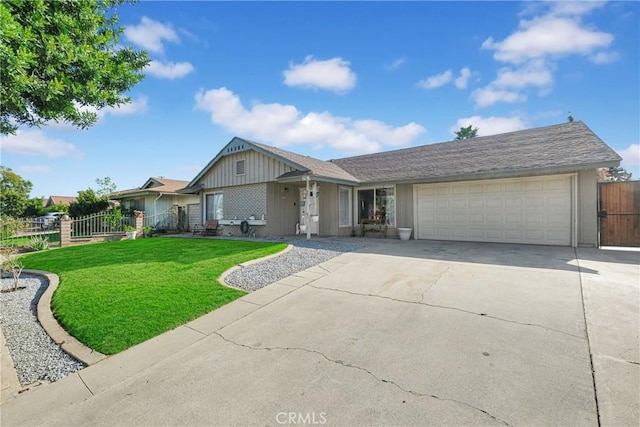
{"points": [[283, 211], [258, 169], [404, 205]]}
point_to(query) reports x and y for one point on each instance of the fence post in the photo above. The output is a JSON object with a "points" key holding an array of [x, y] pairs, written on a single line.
{"points": [[65, 230], [139, 221]]}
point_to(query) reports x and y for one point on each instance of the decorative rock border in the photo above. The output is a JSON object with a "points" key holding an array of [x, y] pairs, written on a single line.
{"points": [[224, 275]]}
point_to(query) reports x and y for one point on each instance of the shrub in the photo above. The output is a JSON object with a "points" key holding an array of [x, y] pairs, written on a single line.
{"points": [[37, 243], [13, 266]]}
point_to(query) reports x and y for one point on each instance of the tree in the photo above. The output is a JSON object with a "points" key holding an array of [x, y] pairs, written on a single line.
{"points": [[14, 193], [61, 61], [613, 174], [105, 187], [34, 208], [88, 203], [466, 132]]}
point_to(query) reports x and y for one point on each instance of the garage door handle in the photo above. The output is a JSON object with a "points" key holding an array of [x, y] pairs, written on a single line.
{"points": [[602, 214]]}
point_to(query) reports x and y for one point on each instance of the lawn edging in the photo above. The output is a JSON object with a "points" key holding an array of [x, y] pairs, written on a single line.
{"points": [[50, 324], [223, 276]]}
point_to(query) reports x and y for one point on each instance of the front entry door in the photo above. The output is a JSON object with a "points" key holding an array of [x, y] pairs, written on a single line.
{"points": [[309, 202]]}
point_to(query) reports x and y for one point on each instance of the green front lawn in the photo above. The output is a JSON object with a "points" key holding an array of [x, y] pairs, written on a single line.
{"points": [[114, 295]]}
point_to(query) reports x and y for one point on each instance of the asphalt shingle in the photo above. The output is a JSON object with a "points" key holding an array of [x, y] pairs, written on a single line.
{"points": [[567, 145]]}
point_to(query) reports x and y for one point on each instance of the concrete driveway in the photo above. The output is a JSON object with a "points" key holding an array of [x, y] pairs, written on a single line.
{"points": [[399, 333]]}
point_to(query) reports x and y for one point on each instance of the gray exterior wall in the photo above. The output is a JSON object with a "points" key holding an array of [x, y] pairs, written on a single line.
{"points": [[283, 211], [588, 208], [404, 205]]}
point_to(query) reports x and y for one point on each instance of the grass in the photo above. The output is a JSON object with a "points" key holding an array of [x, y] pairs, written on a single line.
{"points": [[114, 295]]}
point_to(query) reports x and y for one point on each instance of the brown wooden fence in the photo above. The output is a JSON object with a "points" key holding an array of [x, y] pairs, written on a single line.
{"points": [[619, 213]]}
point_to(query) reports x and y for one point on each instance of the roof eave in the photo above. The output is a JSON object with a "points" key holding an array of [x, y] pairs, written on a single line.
{"points": [[301, 178], [496, 174]]}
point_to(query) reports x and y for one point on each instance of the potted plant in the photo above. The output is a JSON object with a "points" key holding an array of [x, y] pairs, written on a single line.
{"points": [[130, 231], [146, 231]]}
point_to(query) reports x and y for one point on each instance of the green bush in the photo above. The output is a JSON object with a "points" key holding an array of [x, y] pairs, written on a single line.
{"points": [[37, 243]]}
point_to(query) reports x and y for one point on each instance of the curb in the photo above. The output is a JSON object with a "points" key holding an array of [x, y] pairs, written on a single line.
{"points": [[223, 276], [51, 326], [11, 386]]}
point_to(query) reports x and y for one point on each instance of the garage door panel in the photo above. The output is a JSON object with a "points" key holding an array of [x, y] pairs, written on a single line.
{"points": [[494, 203], [523, 210]]}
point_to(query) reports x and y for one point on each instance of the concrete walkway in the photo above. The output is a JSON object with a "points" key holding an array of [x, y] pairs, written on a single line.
{"points": [[401, 333]]}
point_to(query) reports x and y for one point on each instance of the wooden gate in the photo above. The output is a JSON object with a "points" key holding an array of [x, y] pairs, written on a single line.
{"points": [[619, 213]]}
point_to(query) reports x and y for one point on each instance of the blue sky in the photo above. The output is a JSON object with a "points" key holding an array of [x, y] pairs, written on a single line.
{"points": [[335, 79]]}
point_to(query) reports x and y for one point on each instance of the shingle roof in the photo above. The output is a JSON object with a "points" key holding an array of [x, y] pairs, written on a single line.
{"points": [[165, 186], [62, 200], [568, 146], [317, 167]]}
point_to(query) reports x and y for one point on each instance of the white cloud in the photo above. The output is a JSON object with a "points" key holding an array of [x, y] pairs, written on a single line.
{"points": [[555, 32], [604, 57], [332, 74], [169, 70], [138, 105], [489, 95], [535, 73], [463, 79], [34, 169], [151, 34], [442, 79], [571, 8], [437, 80], [548, 36], [285, 125], [396, 64], [490, 125], [630, 156], [36, 143]]}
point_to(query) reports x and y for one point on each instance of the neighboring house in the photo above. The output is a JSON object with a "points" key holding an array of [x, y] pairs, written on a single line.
{"points": [[161, 203], [59, 201], [535, 186]]}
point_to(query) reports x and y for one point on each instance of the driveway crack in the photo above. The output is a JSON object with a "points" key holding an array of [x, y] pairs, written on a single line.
{"points": [[444, 307], [435, 282], [365, 370]]}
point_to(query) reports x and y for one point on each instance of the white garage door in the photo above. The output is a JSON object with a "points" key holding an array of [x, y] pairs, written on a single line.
{"points": [[524, 210]]}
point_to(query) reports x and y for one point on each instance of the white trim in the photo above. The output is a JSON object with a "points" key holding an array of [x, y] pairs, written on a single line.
{"points": [[574, 209], [349, 208], [374, 188], [205, 196], [572, 205]]}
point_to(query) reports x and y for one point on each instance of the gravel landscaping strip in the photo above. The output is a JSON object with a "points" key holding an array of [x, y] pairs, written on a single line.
{"points": [[34, 353], [304, 254]]}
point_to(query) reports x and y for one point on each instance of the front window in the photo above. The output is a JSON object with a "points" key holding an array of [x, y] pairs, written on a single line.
{"points": [[377, 204], [215, 207], [344, 207]]}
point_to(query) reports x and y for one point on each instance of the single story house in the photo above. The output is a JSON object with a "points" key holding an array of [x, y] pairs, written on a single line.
{"points": [[59, 201], [536, 186], [161, 203]]}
